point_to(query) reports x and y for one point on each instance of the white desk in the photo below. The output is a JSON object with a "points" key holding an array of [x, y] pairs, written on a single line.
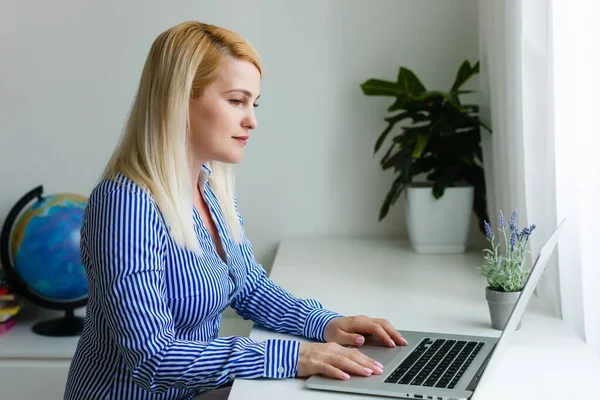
{"points": [[383, 278]]}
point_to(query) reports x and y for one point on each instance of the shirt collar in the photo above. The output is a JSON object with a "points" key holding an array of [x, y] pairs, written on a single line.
{"points": [[205, 174]]}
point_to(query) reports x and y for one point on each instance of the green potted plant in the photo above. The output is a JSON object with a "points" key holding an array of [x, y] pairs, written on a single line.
{"points": [[505, 273], [441, 142]]}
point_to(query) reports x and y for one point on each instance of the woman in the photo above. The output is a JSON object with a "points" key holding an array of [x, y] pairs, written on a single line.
{"points": [[165, 251]]}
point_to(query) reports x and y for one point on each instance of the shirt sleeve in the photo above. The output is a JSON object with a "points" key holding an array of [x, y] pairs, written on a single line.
{"points": [[123, 239], [271, 306]]}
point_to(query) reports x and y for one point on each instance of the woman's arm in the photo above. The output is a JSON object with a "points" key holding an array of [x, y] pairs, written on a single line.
{"points": [[123, 240], [269, 305]]}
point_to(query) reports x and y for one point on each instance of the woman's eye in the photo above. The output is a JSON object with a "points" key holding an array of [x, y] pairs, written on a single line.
{"points": [[235, 102], [255, 105]]}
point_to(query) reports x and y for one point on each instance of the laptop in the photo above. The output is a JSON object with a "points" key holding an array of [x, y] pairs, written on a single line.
{"points": [[434, 365]]}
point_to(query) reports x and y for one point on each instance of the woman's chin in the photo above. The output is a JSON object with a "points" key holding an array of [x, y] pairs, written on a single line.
{"points": [[233, 157]]}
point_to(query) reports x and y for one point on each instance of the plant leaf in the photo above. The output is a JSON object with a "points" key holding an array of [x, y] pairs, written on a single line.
{"points": [[454, 101], [479, 153], [413, 131], [438, 190], [389, 162], [404, 165], [436, 127], [420, 146], [382, 137], [471, 108], [409, 82], [393, 194], [465, 72], [378, 87], [387, 154], [391, 122], [401, 103], [431, 95], [484, 125], [423, 165]]}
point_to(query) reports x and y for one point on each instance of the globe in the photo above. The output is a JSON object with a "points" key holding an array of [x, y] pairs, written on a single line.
{"points": [[40, 248]]}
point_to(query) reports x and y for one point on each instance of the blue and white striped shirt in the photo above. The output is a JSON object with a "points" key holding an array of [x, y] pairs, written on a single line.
{"points": [[154, 308]]}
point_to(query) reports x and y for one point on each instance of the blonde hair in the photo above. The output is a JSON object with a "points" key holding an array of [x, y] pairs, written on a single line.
{"points": [[153, 150]]}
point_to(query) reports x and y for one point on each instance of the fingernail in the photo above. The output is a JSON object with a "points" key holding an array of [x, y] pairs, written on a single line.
{"points": [[380, 365], [377, 370], [368, 371], [345, 376], [360, 340]]}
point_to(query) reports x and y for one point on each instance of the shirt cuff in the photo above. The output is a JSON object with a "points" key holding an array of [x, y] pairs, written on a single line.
{"points": [[281, 358], [317, 321]]}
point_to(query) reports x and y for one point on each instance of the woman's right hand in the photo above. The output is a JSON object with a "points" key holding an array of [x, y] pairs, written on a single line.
{"points": [[335, 361]]}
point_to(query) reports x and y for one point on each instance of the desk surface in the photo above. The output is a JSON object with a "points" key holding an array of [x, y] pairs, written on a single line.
{"points": [[442, 293], [21, 343]]}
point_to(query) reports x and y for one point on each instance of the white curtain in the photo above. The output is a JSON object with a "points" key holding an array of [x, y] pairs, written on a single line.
{"points": [[539, 80]]}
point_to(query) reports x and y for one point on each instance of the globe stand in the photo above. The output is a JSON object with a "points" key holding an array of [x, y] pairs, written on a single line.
{"points": [[69, 325]]}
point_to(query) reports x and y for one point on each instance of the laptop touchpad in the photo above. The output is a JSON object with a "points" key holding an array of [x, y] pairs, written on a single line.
{"points": [[378, 350]]}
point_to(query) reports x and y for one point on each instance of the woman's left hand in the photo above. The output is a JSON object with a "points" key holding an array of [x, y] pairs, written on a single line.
{"points": [[351, 331]]}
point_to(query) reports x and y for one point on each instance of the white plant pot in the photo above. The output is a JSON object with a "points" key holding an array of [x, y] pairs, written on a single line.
{"points": [[438, 225]]}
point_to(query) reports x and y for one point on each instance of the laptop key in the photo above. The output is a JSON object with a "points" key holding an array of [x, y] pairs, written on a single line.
{"points": [[442, 384], [440, 363]]}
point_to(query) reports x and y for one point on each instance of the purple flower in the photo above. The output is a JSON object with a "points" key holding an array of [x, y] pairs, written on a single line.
{"points": [[501, 220], [527, 231], [513, 221], [488, 230], [513, 240]]}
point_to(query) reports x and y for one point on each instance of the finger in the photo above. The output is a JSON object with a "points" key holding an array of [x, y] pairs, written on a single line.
{"points": [[351, 339], [370, 326], [394, 334], [362, 359], [350, 366], [333, 372]]}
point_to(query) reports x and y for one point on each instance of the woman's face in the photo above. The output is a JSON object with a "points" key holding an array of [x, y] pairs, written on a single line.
{"points": [[222, 117]]}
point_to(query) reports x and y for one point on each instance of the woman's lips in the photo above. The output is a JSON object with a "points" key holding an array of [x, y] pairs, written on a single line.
{"points": [[241, 139]]}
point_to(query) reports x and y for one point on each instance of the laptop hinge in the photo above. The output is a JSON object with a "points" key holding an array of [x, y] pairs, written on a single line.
{"points": [[473, 384]]}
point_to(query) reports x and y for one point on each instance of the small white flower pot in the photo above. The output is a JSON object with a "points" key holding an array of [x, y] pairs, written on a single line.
{"points": [[438, 225]]}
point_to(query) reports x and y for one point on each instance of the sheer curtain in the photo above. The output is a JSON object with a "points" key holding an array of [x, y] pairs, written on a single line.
{"points": [[576, 60], [538, 91]]}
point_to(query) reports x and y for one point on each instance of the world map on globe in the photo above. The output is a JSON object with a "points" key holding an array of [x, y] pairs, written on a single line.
{"points": [[44, 247]]}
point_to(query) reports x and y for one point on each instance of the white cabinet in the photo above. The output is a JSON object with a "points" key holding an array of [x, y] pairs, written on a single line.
{"points": [[32, 366], [33, 379], [35, 367]]}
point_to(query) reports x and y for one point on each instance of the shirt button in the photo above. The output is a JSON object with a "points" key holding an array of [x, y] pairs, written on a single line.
{"points": [[280, 370]]}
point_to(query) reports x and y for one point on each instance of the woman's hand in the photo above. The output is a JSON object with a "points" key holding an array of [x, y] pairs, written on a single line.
{"points": [[334, 361], [351, 331]]}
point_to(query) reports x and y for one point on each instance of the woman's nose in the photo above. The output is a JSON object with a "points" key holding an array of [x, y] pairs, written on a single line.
{"points": [[251, 122]]}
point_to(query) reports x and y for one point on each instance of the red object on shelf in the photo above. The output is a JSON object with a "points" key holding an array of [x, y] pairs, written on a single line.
{"points": [[7, 325]]}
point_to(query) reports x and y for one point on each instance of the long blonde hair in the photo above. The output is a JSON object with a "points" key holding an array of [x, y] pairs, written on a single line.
{"points": [[153, 150]]}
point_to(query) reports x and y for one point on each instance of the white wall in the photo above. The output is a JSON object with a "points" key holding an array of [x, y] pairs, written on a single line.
{"points": [[69, 69]]}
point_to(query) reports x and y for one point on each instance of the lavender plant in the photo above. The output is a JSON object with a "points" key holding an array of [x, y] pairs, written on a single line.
{"points": [[506, 272]]}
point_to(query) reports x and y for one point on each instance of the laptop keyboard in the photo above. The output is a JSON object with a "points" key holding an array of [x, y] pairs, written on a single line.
{"points": [[436, 362]]}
